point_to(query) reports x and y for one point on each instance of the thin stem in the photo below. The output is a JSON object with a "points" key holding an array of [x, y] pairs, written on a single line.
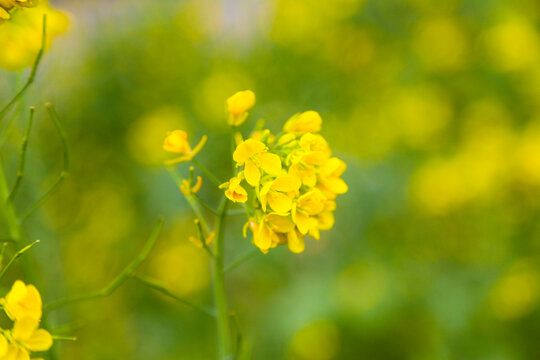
{"points": [[15, 257], [22, 156], [118, 280], [191, 199], [205, 204], [220, 295], [207, 172], [161, 288], [7, 209], [248, 255], [33, 72], [65, 164], [61, 337], [203, 237]]}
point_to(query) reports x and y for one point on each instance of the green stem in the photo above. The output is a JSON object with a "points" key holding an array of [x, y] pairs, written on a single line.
{"points": [[15, 257], [33, 72], [119, 279], [191, 199], [7, 209], [157, 286], [220, 295], [207, 172], [22, 156]]}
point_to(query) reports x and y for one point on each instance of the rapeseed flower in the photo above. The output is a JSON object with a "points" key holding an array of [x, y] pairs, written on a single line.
{"points": [[177, 142], [22, 301], [238, 105], [24, 306], [287, 182]]}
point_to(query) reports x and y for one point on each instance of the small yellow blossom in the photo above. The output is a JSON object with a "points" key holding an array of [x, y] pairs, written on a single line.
{"points": [[22, 301], [308, 121], [238, 105], [197, 242], [235, 192], [176, 142], [254, 155], [24, 338], [186, 189]]}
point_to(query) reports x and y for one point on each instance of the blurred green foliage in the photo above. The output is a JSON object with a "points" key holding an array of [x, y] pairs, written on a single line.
{"points": [[435, 106]]}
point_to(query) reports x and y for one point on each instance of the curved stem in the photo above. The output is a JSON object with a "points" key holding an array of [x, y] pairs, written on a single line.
{"points": [[33, 72], [220, 295]]}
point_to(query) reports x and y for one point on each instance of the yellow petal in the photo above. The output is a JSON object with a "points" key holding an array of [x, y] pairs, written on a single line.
{"points": [[312, 202], [247, 149], [263, 195], [241, 102], [4, 15], [41, 340], [252, 173], [336, 185], [334, 166], [270, 163], [17, 292], [286, 183], [302, 221], [3, 345], [279, 202], [262, 238], [326, 220], [280, 223], [295, 242], [24, 328], [33, 302]]}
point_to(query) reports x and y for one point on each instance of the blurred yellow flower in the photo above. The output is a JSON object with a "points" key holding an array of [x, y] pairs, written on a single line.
{"points": [[319, 340], [176, 142], [441, 44], [20, 38], [235, 192], [187, 189], [238, 104], [513, 44], [308, 121], [22, 301], [26, 337]]}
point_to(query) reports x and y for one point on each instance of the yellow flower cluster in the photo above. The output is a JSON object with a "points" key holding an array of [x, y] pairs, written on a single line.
{"points": [[288, 183], [23, 305]]}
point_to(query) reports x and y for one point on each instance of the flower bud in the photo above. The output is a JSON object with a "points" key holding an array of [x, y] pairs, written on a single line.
{"points": [[308, 121], [238, 104]]}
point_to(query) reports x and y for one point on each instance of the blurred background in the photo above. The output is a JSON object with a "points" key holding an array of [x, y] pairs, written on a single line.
{"points": [[435, 107]]}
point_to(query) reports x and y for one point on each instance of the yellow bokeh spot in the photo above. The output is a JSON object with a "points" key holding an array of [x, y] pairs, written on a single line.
{"points": [[441, 44], [319, 340], [179, 264], [145, 135], [420, 114], [513, 44], [361, 287], [516, 294], [528, 155]]}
